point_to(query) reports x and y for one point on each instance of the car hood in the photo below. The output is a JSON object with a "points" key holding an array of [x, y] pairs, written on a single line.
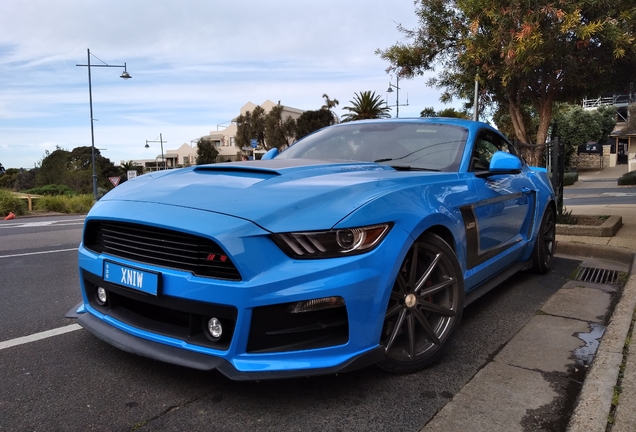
{"points": [[278, 195]]}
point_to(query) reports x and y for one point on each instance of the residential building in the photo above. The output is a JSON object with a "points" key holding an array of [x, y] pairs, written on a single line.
{"points": [[621, 145], [224, 140]]}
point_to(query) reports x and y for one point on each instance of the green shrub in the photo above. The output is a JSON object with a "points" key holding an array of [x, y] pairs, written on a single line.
{"points": [[51, 190], [569, 178], [565, 217], [9, 202], [65, 204], [627, 178], [81, 203]]}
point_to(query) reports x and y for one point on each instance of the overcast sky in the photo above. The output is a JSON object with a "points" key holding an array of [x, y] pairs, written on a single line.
{"points": [[194, 64]]}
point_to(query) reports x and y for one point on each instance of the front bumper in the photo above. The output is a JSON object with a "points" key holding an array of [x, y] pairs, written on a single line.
{"points": [[168, 326], [194, 360]]}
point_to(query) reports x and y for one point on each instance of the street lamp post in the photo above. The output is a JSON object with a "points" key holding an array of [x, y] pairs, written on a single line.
{"points": [[397, 95], [125, 75], [160, 140]]}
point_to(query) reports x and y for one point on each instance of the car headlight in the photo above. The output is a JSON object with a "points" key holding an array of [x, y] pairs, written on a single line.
{"points": [[332, 243]]}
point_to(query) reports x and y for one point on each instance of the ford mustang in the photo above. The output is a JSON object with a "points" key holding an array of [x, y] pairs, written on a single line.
{"points": [[359, 244]]}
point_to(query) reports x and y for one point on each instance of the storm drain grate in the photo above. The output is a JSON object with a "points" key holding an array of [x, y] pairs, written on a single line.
{"points": [[598, 275]]}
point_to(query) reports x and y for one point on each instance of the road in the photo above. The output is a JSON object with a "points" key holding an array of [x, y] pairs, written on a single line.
{"points": [[73, 381]]}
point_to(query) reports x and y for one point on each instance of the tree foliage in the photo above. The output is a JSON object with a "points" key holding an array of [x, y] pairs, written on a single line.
{"points": [[206, 152], [74, 169], [575, 126], [330, 104], [366, 105], [525, 54], [446, 112], [311, 121], [251, 125], [279, 132]]}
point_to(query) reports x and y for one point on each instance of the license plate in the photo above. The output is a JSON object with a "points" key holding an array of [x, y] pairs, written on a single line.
{"points": [[140, 280]]}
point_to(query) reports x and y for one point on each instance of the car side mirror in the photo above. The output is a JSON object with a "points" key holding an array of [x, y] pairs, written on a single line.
{"points": [[501, 163], [271, 154]]}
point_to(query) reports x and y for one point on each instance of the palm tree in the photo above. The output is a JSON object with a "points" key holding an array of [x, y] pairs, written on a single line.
{"points": [[366, 105], [129, 166], [329, 105]]}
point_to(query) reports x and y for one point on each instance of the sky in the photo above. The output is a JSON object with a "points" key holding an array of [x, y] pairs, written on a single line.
{"points": [[194, 64]]}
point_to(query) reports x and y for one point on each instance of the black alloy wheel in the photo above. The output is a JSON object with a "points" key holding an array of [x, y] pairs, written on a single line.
{"points": [[425, 306], [545, 246]]}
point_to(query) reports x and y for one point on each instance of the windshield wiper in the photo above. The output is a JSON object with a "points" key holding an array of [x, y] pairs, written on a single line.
{"points": [[411, 168], [404, 167]]}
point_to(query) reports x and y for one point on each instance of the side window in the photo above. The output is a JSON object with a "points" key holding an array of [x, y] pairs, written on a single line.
{"points": [[486, 145]]}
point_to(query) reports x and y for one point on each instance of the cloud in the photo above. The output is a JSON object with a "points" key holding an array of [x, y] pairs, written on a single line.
{"points": [[194, 64]]}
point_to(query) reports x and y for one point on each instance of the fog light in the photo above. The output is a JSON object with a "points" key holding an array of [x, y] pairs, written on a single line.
{"points": [[215, 328], [101, 296], [316, 304]]}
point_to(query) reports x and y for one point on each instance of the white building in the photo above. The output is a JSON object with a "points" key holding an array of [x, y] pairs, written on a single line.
{"points": [[224, 140]]}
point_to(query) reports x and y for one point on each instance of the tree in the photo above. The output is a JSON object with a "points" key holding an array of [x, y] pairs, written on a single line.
{"points": [[206, 151], [523, 53], [330, 104], [24, 179], [446, 112], [428, 112], [575, 126], [249, 126], [278, 131], [53, 167], [2, 170], [311, 121], [366, 105]]}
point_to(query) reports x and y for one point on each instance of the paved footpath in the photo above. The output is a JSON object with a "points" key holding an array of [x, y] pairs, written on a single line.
{"points": [[561, 370]]}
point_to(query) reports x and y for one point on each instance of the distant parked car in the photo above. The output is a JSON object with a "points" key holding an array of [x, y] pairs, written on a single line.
{"points": [[360, 244]]}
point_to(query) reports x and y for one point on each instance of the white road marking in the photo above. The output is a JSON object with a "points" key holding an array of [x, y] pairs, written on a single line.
{"points": [[37, 253], [39, 336], [619, 194], [63, 222]]}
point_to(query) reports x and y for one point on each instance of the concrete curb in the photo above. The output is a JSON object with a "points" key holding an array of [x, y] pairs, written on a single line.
{"points": [[595, 400], [577, 250], [606, 229]]}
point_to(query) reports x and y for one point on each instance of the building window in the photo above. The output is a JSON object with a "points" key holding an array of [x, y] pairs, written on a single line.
{"points": [[232, 143], [217, 143], [186, 160]]}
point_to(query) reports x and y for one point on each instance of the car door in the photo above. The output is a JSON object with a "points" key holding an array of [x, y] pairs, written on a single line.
{"points": [[497, 225]]}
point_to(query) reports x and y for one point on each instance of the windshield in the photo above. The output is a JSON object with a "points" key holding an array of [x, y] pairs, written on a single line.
{"points": [[403, 145]]}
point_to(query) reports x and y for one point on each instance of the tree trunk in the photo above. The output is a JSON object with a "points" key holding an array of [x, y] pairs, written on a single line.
{"points": [[544, 109], [516, 116]]}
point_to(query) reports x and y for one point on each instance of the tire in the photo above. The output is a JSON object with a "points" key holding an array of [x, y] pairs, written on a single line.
{"points": [[425, 306], [545, 245]]}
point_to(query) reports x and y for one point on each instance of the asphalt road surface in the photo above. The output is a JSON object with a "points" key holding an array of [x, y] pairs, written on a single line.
{"points": [[71, 381]]}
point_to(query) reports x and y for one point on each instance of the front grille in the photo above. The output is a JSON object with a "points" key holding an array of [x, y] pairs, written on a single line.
{"points": [[162, 247]]}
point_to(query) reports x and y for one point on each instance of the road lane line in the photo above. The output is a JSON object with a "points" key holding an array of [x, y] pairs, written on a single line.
{"points": [[37, 253], [41, 224], [39, 336]]}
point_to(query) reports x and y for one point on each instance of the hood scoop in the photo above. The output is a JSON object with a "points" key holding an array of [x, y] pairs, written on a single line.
{"points": [[237, 170]]}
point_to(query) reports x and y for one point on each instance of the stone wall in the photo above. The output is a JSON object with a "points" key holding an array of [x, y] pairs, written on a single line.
{"points": [[591, 160]]}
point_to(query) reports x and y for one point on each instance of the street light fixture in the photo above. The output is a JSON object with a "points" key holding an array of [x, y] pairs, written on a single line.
{"points": [[397, 95], [125, 75], [160, 140]]}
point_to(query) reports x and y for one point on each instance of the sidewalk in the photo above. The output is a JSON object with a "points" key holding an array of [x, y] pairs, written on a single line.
{"points": [[612, 378], [532, 382]]}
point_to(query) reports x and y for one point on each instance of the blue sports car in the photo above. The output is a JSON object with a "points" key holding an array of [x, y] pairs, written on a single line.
{"points": [[360, 244]]}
